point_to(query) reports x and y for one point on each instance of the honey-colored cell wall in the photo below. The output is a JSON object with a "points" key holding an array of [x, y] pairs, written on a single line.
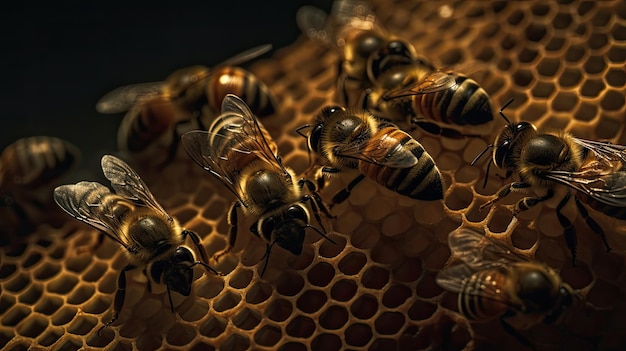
{"points": [[563, 62]]}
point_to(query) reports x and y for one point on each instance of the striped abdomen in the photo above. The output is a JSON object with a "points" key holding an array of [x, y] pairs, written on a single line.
{"points": [[238, 81], [146, 122], [36, 161], [472, 301], [421, 181], [463, 103]]}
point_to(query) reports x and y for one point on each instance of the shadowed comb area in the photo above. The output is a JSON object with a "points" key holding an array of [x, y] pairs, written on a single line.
{"points": [[375, 289]]}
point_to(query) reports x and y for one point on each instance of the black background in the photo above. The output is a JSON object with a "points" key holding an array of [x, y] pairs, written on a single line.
{"points": [[59, 59]]}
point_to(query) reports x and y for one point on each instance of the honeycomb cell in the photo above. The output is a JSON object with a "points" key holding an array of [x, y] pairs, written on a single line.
{"points": [[571, 77], [575, 53], [594, 65], [247, 319], [528, 55], [548, 67], [268, 335], [236, 342], [290, 284], [300, 327], [535, 32], [17, 283], [364, 307], [329, 249], [598, 41], [619, 32], [334, 317], [296, 346], [565, 102], [358, 334], [344, 290], [321, 274], [586, 111], [240, 279], [421, 310], [259, 292], [396, 295], [459, 198], [64, 315], [32, 326], [311, 301], [49, 337], [523, 77], [279, 310], [592, 88], [615, 77], [31, 294], [562, 20], [375, 277], [226, 301], [15, 315], [213, 327], [325, 341], [352, 263], [612, 100], [617, 54], [6, 270], [515, 18], [82, 325], [543, 90], [31, 260]]}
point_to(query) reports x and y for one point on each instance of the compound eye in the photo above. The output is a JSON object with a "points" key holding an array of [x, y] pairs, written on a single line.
{"points": [[182, 254], [267, 227], [397, 47], [297, 212], [500, 153], [329, 111], [368, 45]]}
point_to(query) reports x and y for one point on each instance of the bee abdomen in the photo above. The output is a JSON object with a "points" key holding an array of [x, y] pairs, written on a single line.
{"points": [[421, 181], [464, 103], [238, 81], [35, 161], [145, 123], [472, 300]]}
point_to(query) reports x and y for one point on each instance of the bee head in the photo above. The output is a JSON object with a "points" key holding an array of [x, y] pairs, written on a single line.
{"points": [[285, 229], [180, 275], [395, 53], [507, 144]]}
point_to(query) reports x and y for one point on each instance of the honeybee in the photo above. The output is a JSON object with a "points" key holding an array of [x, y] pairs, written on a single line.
{"points": [[187, 96], [239, 152], [29, 167], [495, 282], [545, 159], [136, 221], [366, 50], [378, 149], [431, 100]]}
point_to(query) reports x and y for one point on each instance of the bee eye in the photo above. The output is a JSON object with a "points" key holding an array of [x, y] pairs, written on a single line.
{"points": [[329, 111], [500, 153], [267, 227], [397, 47], [368, 45], [182, 254], [297, 212]]}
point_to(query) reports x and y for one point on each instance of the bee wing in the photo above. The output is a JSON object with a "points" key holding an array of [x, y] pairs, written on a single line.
{"points": [[481, 252], [127, 183], [245, 133], [198, 144], [123, 98], [83, 201], [432, 83], [315, 24], [382, 151], [354, 13], [246, 55], [604, 150]]}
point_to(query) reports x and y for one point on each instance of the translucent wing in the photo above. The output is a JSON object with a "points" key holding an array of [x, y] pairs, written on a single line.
{"points": [[353, 13], [127, 183], [246, 55], [603, 179], [85, 202], [385, 151], [123, 98], [432, 83], [314, 23], [235, 133]]}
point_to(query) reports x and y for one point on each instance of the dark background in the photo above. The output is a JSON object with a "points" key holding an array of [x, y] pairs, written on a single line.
{"points": [[59, 59]]}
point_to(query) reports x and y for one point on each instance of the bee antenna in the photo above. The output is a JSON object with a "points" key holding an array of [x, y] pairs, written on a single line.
{"points": [[298, 130], [506, 104], [320, 233], [487, 173], [206, 266], [266, 257], [480, 155], [169, 295]]}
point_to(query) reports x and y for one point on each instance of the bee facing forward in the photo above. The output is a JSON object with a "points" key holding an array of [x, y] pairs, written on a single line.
{"points": [[135, 220], [29, 167], [241, 154], [367, 51], [494, 282], [187, 95], [594, 170], [379, 150]]}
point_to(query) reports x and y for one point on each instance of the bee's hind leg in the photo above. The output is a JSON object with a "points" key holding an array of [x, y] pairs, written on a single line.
{"points": [[118, 303], [592, 223]]}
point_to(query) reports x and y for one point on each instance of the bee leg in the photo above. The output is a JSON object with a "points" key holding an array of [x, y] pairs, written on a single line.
{"points": [[569, 232], [341, 85], [342, 195], [528, 202], [592, 223], [435, 129], [196, 241], [503, 192], [119, 296], [232, 233], [316, 200], [514, 332]]}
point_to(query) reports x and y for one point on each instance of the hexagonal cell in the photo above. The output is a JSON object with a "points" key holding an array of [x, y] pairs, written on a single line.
{"points": [[459, 198], [598, 41], [586, 111], [236, 342], [32, 326], [268, 335], [421, 310], [389, 323], [226, 301], [279, 310], [240, 278], [396, 295], [619, 32], [612, 100], [321, 274], [247, 318], [17, 283], [564, 101], [592, 88], [31, 294], [375, 277], [300, 327], [329, 249], [549, 67], [575, 53], [515, 17], [213, 327], [615, 77], [352, 263], [607, 128], [344, 290], [289, 284], [570, 77], [617, 54], [258, 292], [82, 325], [364, 307], [334, 317], [595, 64], [326, 342], [311, 301], [536, 32], [358, 334], [523, 77]]}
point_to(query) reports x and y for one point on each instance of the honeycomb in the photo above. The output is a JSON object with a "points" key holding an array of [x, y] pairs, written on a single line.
{"points": [[564, 64]]}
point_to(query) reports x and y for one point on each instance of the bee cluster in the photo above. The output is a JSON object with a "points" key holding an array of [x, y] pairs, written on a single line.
{"points": [[422, 247]]}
